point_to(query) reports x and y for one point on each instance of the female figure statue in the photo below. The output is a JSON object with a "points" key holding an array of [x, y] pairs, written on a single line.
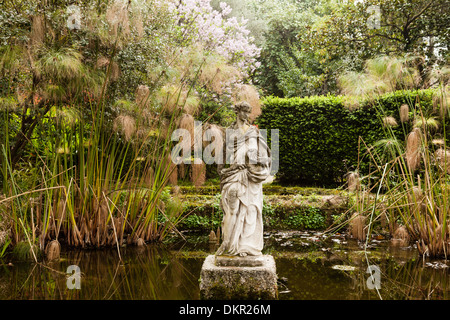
{"points": [[241, 186]]}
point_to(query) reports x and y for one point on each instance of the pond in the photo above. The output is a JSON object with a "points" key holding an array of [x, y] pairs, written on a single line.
{"points": [[309, 266]]}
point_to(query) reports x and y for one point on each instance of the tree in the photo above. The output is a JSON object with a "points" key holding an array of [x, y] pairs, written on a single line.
{"points": [[358, 31], [201, 23], [56, 58], [286, 69]]}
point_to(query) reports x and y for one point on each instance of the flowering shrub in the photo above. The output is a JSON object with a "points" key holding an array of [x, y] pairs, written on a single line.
{"points": [[228, 37]]}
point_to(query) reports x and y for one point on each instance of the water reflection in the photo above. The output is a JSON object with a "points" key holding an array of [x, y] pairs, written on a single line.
{"points": [[144, 273], [308, 267], [404, 275]]}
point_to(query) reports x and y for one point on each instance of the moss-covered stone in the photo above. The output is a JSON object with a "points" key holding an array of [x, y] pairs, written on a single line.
{"points": [[268, 189], [238, 283], [285, 208]]}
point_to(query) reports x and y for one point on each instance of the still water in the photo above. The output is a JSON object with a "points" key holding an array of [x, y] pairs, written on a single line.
{"points": [[309, 266]]}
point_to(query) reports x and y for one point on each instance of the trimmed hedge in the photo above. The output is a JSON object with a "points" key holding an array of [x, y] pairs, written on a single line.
{"points": [[319, 135]]}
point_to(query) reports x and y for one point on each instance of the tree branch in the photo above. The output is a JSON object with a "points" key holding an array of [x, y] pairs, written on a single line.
{"points": [[408, 22]]}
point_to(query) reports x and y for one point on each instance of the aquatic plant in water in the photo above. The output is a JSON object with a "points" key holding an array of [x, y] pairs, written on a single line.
{"points": [[411, 192]]}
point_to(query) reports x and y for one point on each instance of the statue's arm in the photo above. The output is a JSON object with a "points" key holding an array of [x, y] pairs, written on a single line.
{"points": [[219, 168]]}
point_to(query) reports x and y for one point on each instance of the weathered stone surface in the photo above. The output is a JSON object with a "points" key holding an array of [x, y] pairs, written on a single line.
{"points": [[235, 281], [237, 261], [241, 186]]}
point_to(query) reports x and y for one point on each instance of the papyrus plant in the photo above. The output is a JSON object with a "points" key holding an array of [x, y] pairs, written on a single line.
{"points": [[412, 188]]}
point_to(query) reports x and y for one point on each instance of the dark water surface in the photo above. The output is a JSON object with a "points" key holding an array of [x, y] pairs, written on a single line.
{"points": [[309, 266]]}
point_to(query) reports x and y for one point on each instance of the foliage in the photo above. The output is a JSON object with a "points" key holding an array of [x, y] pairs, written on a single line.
{"points": [[286, 69], [78, 137], [216, 32], [199, 222], [383, 74], [53, 70], [355, 31], [183, 57], [221, 49], [308, 218], [320, 137], [88, 102], [306, 45], [267, 209], [209, 217], [23, 251], [412, 191], [86, 196], [4, 247]]}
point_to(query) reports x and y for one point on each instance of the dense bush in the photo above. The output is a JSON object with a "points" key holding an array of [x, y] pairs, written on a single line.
{"points": [[319, 136], [307, 218]]}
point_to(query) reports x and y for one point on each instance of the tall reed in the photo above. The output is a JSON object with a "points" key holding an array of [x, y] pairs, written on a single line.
{"points": [[411, 189], [92, 187]]}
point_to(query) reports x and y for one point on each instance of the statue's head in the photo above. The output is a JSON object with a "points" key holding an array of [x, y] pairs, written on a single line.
{"points": [[243, 110]]}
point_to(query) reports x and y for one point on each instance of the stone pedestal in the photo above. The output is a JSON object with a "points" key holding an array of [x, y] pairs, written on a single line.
{"points": [[234, 277]]}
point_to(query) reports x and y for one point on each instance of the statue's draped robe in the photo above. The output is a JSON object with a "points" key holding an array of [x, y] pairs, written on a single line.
{"points": [[242, 196]]}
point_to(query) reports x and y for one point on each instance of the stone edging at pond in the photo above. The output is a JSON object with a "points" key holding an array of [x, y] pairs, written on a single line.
{"points": [[292, 208]]}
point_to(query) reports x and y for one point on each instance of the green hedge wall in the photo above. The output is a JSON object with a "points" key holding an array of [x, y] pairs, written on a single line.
{"points": [[319, 135]]}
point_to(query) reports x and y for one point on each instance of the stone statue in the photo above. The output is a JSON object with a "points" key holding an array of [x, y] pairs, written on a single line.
{"points": [[241, 186]]}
